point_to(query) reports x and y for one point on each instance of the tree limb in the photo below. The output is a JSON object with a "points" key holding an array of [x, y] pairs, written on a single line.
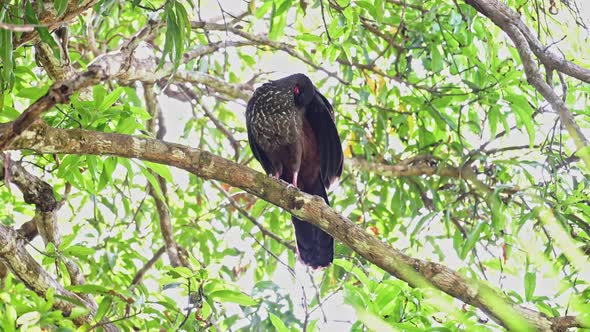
{"points": [[105, 67], [510, 23], [418, 273], [419, 165], [253, 220], [507, 19], [14, 255], [161, 201], [49, 20], [40, 193], [263, 40]]}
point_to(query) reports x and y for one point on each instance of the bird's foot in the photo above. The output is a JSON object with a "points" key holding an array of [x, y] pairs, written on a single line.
{"points": [[289, 185]]}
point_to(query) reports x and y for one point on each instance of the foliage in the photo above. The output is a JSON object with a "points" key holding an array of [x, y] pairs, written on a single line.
{"points": [[428, 84]]}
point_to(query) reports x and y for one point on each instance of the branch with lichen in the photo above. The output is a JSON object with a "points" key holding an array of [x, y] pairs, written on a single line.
{"points": [[418, 273], [527, 46], [14, 255]]}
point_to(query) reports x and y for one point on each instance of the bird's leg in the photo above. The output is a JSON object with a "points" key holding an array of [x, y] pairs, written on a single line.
{"points": [[295, 179], [277, 176]]}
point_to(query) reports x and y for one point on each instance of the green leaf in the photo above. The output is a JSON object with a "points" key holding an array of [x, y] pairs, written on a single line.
{"points": [[498, 213], [127, 125], [43, 32], [309, 37], [283, 7], [357, 272], [379, 10], [530, 282], [110, 99], [278, 27], [171, 36], [182, 19], [262, 10], [437, 60], [60, 6], [278, 323], [162, 170], [232, 296], [472, 239], [88, 289], [33, 93], [103, 308], [155, 184], [523, 113], [9, 113], [6, 58], [79, 251]]}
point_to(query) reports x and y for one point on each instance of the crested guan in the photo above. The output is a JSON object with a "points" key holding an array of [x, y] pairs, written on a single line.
{"points": [[292, 133]]}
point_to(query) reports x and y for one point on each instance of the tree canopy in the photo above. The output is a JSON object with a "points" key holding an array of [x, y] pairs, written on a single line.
{"points": [[131, 199]]}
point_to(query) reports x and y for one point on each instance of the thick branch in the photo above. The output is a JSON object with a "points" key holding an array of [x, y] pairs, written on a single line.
{"points": [[48, 18], [40, 193], [14, 255], [506, 18], [44, 139], [105, 67], [56, 70], [417, 166], [508, 21]]}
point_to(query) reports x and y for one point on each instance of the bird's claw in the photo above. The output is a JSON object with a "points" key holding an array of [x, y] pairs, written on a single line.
{"points": [[289, 185]]}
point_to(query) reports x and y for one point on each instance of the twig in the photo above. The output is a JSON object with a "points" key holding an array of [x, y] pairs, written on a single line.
{"points": [[417, 273], [148, 265], [253, 220]]}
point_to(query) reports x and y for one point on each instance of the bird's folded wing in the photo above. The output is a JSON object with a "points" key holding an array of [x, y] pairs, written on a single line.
{"points": [[259, 154], [320, 115]]}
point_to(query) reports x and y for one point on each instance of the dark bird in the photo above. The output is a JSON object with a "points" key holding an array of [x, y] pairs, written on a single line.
{"points": [[292, 133]]}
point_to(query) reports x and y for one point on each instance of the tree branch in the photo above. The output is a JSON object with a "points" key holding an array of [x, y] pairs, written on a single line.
{"points": [[148, 265], [161, 201], [14, 255], [49, 20], [418, 273], [506, 18], [510, 23], [263, 40], [105, 67], [419, 165], [253, 220], [40, 193]]}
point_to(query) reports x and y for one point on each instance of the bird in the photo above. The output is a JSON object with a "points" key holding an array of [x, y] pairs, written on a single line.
{"points": [[292, 133]]}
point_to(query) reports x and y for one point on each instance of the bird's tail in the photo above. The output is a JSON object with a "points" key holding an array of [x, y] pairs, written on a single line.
{"points": [[314, 246]]}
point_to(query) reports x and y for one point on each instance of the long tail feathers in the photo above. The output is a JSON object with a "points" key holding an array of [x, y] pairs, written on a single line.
{"points": [[315, 247]]}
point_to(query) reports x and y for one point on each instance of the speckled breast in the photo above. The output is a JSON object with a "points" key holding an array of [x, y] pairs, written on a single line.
{"points": [[275, 120]]}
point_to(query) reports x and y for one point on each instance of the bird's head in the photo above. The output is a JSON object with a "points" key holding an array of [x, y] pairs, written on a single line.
{"points": [[303, 90], [301, 87]]}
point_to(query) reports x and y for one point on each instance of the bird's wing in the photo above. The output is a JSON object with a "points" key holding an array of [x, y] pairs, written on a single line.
{"points": [[320, 115], [259, 154]]}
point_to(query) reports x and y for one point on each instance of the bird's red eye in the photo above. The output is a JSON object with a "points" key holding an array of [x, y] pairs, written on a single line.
{"points": [[296, 90]]}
